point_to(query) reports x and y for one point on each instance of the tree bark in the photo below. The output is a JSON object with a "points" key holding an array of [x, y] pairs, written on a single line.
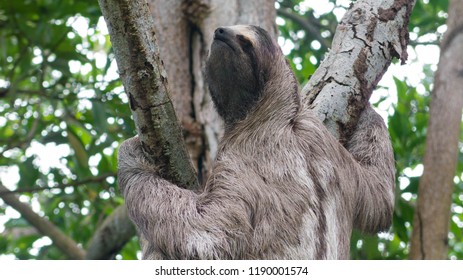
{"points": [[432, 215], [145, 82], [369, 35]]}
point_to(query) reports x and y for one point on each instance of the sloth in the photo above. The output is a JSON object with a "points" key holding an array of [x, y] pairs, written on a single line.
{"points": [[281, 187]]}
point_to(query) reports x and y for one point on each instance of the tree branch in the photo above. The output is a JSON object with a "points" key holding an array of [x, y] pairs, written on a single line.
{"points": [[369, 35], [45, 227], [111, 236], [144, 78]]}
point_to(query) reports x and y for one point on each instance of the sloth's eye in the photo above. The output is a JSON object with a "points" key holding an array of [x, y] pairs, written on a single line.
{"points": [[244, 42]]}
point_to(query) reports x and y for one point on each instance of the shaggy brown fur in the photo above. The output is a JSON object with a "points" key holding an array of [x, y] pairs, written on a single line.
{"points": [[282, 186]]}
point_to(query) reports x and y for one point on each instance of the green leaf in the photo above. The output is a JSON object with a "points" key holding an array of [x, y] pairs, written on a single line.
{"points": [[99, 116], [28, 173], [78, 147], [20, 222]]}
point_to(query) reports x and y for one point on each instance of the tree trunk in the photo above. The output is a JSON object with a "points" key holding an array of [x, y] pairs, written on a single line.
{"points": [[432, 214], [145, 82]]}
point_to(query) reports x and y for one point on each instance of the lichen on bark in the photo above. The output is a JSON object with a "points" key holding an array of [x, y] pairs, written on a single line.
{"points": [[368, 37]]}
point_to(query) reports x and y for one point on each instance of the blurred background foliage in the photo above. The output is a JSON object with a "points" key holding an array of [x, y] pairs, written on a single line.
{"points": [[63, 113]]}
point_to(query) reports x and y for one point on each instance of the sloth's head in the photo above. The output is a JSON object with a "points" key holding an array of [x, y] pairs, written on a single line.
{"points": [[242, 59]]}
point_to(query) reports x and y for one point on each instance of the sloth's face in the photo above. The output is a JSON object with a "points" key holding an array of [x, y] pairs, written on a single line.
{"points": [[232, 61], [237, 68]]}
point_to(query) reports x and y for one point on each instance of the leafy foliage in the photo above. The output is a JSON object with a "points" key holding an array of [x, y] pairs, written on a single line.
{"points": [[306, 49], [56, 97]]}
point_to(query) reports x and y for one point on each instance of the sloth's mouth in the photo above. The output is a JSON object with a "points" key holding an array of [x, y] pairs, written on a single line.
{"points": [[224, 40]]}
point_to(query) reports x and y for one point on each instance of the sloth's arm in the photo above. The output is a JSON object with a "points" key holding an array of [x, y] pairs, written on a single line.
{"points": [[371, 147], [179, 222]]}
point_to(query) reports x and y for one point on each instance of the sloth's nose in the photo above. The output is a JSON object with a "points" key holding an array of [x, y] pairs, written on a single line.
{"points": [[220, 32]]}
